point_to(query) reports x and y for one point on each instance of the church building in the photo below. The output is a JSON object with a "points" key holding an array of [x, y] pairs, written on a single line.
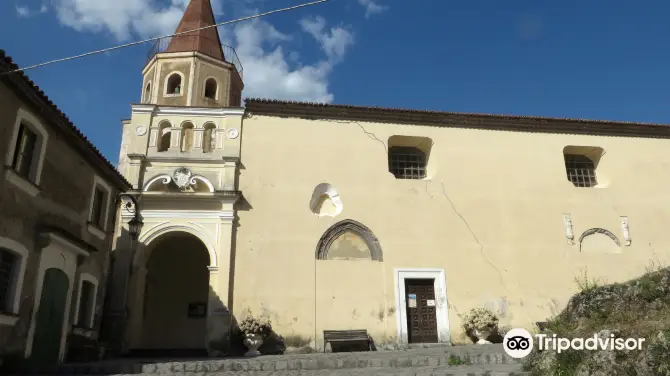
{"points": [[332, 217]]}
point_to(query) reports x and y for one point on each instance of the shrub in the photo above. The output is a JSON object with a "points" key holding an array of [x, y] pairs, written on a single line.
{"points": [[252, 325], [480, 319]]}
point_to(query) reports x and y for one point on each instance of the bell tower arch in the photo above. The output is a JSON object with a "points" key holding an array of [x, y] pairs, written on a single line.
{"points": [[193, 68]]}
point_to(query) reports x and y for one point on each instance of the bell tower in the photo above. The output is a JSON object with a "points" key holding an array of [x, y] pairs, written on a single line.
{"points": [[194, 68], [180, 150]]}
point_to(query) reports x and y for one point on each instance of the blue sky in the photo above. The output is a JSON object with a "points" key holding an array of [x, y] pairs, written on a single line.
{"points": [[596, 59]]}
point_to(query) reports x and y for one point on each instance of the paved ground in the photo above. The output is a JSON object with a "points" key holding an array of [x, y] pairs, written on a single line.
{"points": [[411, 362], [433, 357], [472, 370]]}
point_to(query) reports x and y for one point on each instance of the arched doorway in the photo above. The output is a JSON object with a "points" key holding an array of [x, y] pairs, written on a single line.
{"points": [[174, 291]]}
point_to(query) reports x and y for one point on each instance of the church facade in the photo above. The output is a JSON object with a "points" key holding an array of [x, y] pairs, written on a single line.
{"points": [[328, 217]]}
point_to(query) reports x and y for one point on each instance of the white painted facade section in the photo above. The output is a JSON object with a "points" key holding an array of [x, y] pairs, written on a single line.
{"points": [[205, 225]]}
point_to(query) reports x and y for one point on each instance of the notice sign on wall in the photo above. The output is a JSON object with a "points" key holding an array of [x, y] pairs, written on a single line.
{"points": [[411, 300], [430, 303]]}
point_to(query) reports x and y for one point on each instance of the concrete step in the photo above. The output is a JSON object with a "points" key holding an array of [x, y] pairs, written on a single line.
{"points": [[424, 357], [469, 370]]}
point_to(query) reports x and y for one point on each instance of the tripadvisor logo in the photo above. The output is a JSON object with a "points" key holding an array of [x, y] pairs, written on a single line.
{"points": [[518, 343]]}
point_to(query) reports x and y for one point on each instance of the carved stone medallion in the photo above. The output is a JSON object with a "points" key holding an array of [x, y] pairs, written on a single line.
{"points": [[141, 130], [233, 133], [182, 177]]}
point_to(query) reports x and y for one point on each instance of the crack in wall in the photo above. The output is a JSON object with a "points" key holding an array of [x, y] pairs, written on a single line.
{"points": [[481, 246], [370, 135], [451, 203]]}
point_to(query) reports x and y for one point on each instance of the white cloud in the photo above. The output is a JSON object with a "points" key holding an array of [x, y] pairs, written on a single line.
{"points": [[268, 74], [333, 42], [23, 11], [272, 68], [371, 7], [121, 18]]}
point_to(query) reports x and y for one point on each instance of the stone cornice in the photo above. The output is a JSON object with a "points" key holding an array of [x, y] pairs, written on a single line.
{"points": [[514, 123], [186, 111]]}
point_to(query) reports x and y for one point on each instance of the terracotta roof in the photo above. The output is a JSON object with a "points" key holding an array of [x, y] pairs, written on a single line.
{"points": [[57, 119], [455, 119], [198, 14]]}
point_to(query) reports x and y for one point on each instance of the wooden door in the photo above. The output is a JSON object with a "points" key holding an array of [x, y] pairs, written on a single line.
{"points": [[421, 313], [50, 315]]}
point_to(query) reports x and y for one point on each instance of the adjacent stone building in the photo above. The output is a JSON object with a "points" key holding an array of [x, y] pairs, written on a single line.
{"points": [[57, 220], [330, 217]]}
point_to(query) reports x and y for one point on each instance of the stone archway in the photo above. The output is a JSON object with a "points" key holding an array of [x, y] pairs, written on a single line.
{"points": [[171, 292]]}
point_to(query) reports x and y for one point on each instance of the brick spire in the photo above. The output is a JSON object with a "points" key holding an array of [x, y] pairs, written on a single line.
{"points": [[198, 14]]}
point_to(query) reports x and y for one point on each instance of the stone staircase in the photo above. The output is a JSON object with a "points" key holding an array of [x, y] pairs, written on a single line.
{"points": [[471, 360]]}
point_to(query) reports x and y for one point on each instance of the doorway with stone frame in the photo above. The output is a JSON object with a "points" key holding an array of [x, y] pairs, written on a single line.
{"points": [[414, 287]]}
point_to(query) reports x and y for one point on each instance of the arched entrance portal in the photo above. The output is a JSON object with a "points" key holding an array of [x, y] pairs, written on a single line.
{"points": [[173, 284]]}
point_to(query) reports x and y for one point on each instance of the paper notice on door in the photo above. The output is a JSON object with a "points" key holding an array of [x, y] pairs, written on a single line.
{"points": [[411, 300], [430, 303]]}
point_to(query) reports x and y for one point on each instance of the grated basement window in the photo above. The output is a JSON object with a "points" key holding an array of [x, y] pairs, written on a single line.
{"points": [[581, 170], [407, 163]]}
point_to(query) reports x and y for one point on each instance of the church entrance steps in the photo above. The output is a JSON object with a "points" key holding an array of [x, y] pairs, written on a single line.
{"points": [[471, 370], [434, 359]]}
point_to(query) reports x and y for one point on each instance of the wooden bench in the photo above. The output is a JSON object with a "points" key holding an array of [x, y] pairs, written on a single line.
{"points": [[345, 336]]}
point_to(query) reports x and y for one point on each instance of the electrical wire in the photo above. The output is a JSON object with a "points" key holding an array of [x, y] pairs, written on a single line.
{"points": [[165, 36]]}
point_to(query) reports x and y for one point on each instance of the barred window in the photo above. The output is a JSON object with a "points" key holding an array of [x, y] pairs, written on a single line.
{"points": [[581, 171], [407, 162], [8, 265]]}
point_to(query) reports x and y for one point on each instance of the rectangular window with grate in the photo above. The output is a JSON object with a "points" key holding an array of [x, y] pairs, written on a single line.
{"points": [[86, 301], [581, 171], [407, 163], [8, 264]]}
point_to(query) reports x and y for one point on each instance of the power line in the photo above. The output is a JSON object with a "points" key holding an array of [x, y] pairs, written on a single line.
{"points": [[165, 36]]}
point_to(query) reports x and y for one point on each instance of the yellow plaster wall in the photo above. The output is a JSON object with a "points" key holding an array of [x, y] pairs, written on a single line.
{"points": [[490, 216]]}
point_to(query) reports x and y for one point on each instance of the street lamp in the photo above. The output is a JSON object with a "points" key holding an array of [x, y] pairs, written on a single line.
{"points": [[130, 205], [135, 227]]}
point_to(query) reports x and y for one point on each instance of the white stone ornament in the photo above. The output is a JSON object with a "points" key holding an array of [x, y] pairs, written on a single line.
{"points": [[141, 130], [567, 224], [233, 133], [182, 177], [626, 231]]}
